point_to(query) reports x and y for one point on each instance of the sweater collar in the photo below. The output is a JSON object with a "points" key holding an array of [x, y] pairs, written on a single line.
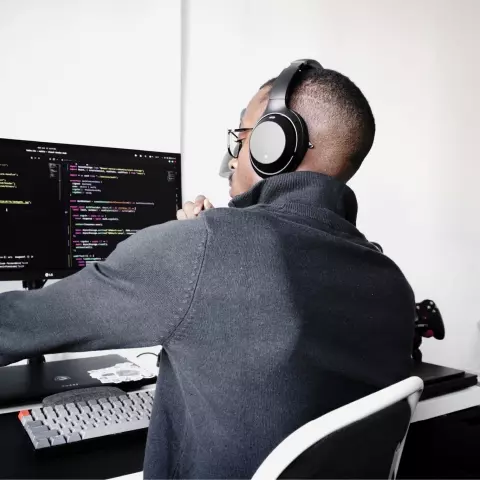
{"points": [[305, 193]]}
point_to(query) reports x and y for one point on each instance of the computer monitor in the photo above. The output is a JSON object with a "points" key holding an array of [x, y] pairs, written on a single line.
{"points": [[65, 206]]}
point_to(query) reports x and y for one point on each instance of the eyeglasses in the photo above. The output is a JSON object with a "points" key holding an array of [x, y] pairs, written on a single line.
{"points": [[234, 142]]}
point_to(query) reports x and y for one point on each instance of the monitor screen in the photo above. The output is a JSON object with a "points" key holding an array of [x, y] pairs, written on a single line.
{"points": [[64, 206]]}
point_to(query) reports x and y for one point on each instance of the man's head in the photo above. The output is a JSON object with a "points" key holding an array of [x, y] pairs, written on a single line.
{"points": [[340, 124]]}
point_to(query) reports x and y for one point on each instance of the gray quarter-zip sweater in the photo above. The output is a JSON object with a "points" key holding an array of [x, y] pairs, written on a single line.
{"points": [[271, 313]]}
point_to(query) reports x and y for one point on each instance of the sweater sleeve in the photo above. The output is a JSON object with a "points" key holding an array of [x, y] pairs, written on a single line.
{"points": [[136, 298]]}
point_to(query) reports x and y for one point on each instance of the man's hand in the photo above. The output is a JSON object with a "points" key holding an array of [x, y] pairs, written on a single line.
{"points": [[192, 209]]}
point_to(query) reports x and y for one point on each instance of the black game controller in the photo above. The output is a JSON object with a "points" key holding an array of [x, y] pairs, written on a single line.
{"points": [[428, 323]]}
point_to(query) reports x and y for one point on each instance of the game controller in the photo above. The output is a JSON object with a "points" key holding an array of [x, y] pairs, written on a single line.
{"points": [[428, 323]]}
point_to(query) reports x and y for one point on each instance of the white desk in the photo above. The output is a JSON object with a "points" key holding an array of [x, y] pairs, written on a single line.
{"points": [[449, 403]]}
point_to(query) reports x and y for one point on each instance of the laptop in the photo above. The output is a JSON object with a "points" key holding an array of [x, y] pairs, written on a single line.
{"points": [[32, 383]]}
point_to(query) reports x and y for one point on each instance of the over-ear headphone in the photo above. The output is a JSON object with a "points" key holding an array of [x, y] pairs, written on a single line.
{"points": [[279, 140]]}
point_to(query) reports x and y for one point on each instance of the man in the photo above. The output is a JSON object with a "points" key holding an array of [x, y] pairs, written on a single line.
{"points": [[271, 312]]}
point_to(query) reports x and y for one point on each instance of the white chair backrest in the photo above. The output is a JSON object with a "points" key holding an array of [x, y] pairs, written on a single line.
{"points": [[340, 419]]}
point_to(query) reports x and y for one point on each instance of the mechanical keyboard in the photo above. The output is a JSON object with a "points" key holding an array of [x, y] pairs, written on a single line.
{"points": [[49, 427]]}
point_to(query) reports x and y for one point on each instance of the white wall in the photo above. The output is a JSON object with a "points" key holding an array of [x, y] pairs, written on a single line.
{"points": [[91, 72], [417, 62], [95, 72]]}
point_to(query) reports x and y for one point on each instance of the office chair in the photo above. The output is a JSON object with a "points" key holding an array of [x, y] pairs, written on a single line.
{"points": [[363, 439]]}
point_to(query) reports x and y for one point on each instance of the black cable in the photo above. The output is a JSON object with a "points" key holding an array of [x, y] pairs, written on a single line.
{"points": [[151, 353], [147, 353]]}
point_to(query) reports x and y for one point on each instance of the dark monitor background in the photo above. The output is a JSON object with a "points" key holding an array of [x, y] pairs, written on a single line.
{"points": [[64, 206]]}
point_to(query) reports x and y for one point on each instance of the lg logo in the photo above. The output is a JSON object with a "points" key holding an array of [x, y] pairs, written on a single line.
{"points": [[48, 275], [61, 379]]}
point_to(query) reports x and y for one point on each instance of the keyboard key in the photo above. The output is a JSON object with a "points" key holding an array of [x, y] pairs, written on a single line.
{"points": [[74, 437], [114, 428], [41, 443], [58, 440], [42, 428], [81, 404], [36, 412], [85, 409], [33, 424], [26, 419], [102, 400], [49, 434]]}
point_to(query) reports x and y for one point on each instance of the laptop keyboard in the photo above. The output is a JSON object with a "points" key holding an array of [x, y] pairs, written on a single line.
{"points": [[49, 427]]}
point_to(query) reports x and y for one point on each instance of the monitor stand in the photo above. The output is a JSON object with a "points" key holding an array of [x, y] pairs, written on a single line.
{"points": [[31, 383]]}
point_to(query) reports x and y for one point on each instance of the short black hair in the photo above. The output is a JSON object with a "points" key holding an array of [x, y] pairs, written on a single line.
{"points": [[343, 103]]}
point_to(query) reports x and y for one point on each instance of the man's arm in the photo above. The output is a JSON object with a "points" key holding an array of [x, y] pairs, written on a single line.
{"points": [[137, 297]]}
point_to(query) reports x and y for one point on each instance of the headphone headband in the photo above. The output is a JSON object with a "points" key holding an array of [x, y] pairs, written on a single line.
{"points": [[282, 86]]}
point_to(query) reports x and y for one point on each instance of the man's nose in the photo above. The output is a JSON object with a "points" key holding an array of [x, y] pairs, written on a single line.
{"points": [[232, 164]]}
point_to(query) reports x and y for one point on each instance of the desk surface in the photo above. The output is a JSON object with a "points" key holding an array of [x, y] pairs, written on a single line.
{"points": [[427, 409], [449, 403]]}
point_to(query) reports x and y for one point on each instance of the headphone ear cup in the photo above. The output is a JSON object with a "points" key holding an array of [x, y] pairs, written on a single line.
{"points": [[267, 142], [273, 143]]}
